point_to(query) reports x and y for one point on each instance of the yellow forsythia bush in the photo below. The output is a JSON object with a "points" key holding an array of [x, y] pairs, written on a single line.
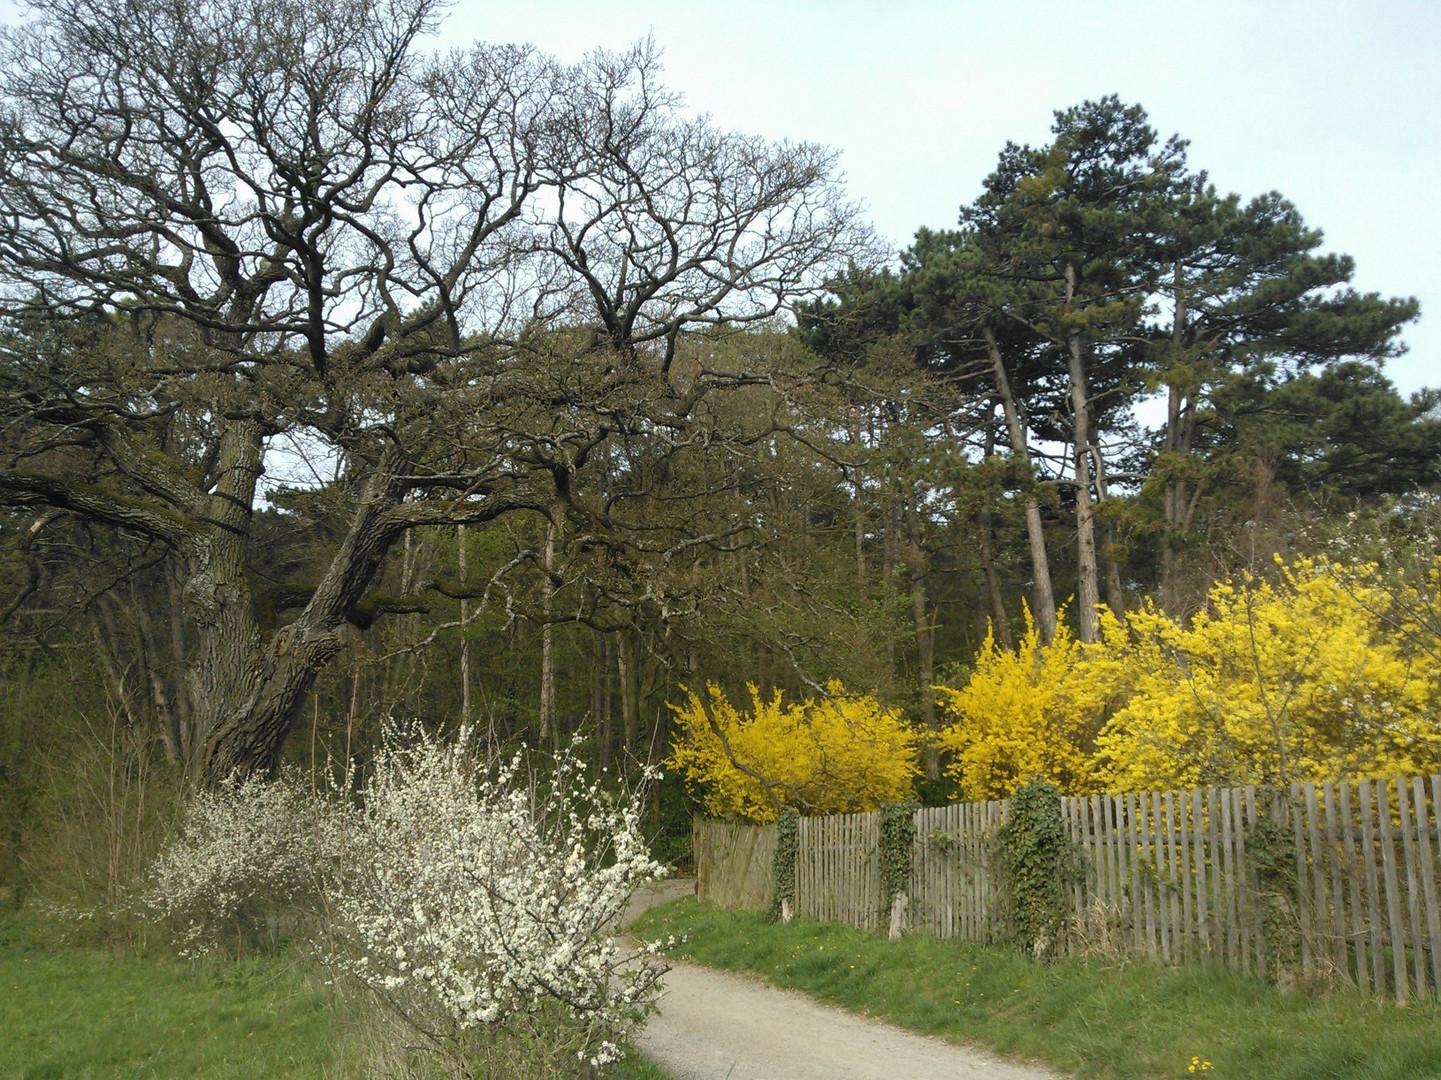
{"points": [[1325, 672], [836, 754], [1031, 713], [1307, 678]]}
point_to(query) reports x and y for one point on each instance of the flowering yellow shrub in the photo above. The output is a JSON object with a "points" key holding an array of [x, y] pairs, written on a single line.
{"points": [[837, 754], [1330, 671], [1031, 713], [1309, 678]]}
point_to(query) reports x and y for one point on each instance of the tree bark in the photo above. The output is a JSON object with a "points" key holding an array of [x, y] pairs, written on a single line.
{"points": [[548, 727], [1000, 623], [1043, 596], [925, 652], [461, 543], [1178, 504], [1088, 598], [627, 668], [246, 693], [1115, 592], [920, 612], [858, 504], [601, 696]]}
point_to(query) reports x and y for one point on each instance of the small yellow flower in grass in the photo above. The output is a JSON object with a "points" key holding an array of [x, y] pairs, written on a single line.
{"points": [[1199, 1065]]}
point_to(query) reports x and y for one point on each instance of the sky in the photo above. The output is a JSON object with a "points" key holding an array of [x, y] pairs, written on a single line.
{"points": [[1334, 103]]}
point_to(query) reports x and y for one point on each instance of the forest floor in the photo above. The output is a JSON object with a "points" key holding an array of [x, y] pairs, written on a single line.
{"points": [[715, 1025]]}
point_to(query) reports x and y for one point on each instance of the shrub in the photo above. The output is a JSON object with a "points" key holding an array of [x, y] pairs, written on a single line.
{"points": [[1032, 712], [248, 854], [837, 754], [475, 902], [1037, 862], [1327, 671], [1304, 678]]}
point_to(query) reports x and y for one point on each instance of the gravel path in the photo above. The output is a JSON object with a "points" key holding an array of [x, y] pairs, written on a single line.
{"points": [[714, 1025]]}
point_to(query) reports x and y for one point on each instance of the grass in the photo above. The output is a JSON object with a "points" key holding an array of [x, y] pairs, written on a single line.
{"points": [[87, 1012], [1086, 1017], [76, 1012]]}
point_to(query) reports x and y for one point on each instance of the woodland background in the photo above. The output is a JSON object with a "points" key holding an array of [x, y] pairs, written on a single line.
{"points": [[558, 461]]}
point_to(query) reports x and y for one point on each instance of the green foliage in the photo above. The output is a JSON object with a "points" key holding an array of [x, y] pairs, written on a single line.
{"points": [[898, 838], [1271, 857], [783, 867], [1081, 1016], [1037, 860]]}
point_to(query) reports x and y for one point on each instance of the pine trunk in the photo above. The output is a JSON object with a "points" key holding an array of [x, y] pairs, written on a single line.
{"points": [[1043, 596], [1087, 586], [984, 532], [1178, 505]]}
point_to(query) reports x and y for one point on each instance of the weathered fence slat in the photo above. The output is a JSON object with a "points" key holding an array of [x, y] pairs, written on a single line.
{"points": [[1177, 951], [1320, 899], [1424, 832], [1303, 902], [1340, 959], [1203, 908], [1395, 928], [1413, 887], [1354, 890], [1253, 952], [1369, 847]]}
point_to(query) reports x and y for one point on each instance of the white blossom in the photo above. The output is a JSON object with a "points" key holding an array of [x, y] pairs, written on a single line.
{"points": [[466, 892]]}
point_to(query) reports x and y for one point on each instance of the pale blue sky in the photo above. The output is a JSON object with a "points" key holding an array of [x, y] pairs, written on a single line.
{"points": [[1334, 103]]}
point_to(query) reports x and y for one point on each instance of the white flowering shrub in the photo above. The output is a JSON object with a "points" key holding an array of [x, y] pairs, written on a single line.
{"points": [[246, 857], [478, 902]]}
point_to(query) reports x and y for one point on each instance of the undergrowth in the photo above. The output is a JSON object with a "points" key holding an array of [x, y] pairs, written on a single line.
{"points": [[1084, 1017]]}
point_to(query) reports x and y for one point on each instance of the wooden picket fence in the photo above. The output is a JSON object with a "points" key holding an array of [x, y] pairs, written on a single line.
{"points": [[838, 872], [953, 891], [1336, 880], [733, 863]]}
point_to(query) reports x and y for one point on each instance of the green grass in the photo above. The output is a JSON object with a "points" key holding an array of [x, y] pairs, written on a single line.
{"points": [[90, 1013], [1081, 1016], [85, 1012]]}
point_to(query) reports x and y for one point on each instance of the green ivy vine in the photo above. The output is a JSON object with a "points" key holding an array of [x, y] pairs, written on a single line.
{"points": [[783, 867], [1037, 863], [898, 839]]}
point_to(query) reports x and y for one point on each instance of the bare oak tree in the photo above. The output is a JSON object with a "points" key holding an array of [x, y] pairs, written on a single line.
{"points": [[459, 274]]}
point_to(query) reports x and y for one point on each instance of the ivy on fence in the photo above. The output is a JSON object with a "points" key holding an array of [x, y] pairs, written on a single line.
{"points": [[1037, 862], [1271, 853], [898, 841], [784, 866]]}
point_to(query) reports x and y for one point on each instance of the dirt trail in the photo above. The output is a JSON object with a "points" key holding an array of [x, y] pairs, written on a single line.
{"points": [[714, 1025]]}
